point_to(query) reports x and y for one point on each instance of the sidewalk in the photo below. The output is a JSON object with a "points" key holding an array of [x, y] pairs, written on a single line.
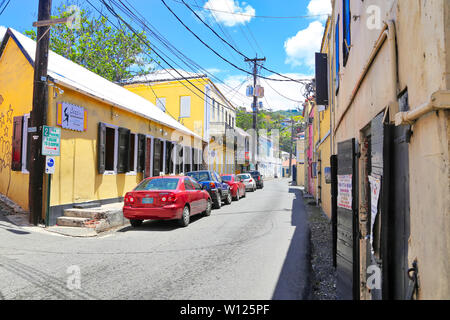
{"points": [[323, 273]]}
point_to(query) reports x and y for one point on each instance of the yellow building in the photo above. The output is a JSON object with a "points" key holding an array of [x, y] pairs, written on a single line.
{"points": [[110, 137], [323, 141], [196, 102]]}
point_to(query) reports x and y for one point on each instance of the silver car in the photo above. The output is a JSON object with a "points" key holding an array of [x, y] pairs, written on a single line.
{"points": [[248, 181]]}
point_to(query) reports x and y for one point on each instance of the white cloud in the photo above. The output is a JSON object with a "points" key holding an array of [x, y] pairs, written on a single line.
{"points": [[273, 99], [2, 32], [316, 7], [225, 11], [300, 49]]}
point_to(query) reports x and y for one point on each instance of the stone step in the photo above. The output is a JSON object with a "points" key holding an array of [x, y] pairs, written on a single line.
{"points": [[88, 205], [72, 221], [95, 213]]}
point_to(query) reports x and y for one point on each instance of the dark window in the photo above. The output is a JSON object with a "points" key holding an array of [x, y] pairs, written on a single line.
{"points": [[17, 144], [109, 149], [187, 159], [141, 153], [131, 157], [346, 30], [157, 184], [169, 157], [179, 159], [157, 157], [123, 150]]}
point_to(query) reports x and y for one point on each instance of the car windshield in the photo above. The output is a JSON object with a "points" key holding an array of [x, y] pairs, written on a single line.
{"points": [[157, 184], [227, 178], [199, 176]]}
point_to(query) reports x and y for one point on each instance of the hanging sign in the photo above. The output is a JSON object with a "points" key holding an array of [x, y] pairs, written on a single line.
{"points": [[51, 141], [72, 117], [345, 192]]}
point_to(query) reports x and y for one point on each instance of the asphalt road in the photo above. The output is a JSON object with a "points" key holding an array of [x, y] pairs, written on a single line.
{"points": [[257, 248]]}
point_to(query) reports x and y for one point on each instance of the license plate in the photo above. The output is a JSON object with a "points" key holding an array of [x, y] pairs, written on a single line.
{"points": [[147, 200]]}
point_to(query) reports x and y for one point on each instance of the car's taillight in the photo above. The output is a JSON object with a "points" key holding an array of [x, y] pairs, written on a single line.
{"points": [[259, 178], [129, 199], [212, 185], [169, 198]]}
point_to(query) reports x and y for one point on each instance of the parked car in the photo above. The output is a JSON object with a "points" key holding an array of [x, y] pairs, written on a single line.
{"points": [[248, 181], [166, 198], [236, 186], [213, 183], [258, 178]]}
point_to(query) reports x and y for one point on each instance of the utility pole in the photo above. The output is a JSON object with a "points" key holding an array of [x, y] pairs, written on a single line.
{"points": [[39, 114], [292, 144], [255, 106]]}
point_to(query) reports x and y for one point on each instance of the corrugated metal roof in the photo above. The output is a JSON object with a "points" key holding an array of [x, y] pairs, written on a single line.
{"points": [[70, 74], [164, 75]]}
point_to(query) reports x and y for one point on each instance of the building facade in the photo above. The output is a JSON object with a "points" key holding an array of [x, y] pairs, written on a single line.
{"points": [[389, 95], [110, 138], [196, 102]]}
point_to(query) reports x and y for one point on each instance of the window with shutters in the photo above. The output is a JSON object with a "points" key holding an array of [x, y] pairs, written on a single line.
{"points": [[187, 159], [185, 107], [16, 164], [169, 157], [107, 148], [133, 154]]}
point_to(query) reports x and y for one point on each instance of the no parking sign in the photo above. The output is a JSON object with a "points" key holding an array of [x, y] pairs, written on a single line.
{"points": [[49, 165]]}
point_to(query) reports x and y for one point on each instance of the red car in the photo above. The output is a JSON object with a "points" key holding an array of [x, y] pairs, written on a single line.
{"points": [[236, 186], [166, 198]]}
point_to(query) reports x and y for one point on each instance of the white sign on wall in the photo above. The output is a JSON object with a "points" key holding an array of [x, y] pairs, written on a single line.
{"points": [[72, 117], [345, 192]]}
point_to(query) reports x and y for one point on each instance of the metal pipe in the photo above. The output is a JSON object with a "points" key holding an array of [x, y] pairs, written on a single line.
{"points": [[387, 33], [440, 100]]}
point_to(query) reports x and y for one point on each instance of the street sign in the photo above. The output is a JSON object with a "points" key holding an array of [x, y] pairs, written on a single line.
{"points": [[51, 141], [49, 165]]}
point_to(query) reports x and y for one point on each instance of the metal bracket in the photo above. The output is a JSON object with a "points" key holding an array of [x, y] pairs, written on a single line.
{"points": [[413, 287]]}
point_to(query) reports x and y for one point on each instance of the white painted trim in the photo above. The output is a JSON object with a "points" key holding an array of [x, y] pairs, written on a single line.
{"points": [[134, 171], [151, 152], [116, 148]]}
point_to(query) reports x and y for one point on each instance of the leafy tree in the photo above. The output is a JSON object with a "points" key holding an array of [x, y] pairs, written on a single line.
{"points": [[98, 46]]}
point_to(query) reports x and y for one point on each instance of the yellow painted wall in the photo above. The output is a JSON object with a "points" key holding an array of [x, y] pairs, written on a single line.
{"points": [[173, 91], [16, 91], [76, 178]]}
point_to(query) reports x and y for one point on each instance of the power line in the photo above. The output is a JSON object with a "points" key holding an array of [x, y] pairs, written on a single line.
{"points": [[218, 54], [157, 35], [238, 51], [143, 41], [258, 16], [6, 5]]}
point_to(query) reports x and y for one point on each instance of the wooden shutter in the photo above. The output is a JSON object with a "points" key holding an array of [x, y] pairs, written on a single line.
{"points": [[16, 164], [123, 150], [101, 152], [157, 157], [147, 161], [347, 285], [141, 153], [321, 79]]}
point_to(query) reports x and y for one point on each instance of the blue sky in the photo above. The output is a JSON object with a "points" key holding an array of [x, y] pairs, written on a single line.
{"points": [[287, 44]]}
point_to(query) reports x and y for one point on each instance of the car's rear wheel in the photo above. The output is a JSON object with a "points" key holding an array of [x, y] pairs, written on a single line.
{"points": [[228, 199], [237, 195], [245, 193], [217, 201], [135, 223], [185, 217], [207, 212]]}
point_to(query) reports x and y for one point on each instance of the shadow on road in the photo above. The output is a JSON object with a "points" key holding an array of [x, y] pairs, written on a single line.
{"points": [[159, 225], [293, 283]]}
